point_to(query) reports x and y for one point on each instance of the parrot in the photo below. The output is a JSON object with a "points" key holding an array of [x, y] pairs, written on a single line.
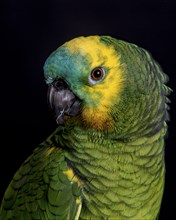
{"points": [[105, 159]]}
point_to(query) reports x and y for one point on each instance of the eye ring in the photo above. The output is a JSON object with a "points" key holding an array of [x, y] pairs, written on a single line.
{"points": [[96, 75]]}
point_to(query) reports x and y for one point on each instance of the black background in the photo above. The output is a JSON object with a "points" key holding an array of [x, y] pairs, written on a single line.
{"points": [[30, 30]]}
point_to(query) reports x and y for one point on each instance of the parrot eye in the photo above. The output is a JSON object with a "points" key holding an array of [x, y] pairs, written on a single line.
{"points": [[96, 75]]}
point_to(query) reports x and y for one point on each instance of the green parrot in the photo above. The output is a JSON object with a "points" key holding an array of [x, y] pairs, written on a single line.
{"points": [[105, 160]]}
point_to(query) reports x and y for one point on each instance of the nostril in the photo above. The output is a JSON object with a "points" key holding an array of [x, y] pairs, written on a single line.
{"points": [[59, 84]]}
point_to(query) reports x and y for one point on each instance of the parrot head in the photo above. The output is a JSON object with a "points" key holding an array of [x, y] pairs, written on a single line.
{"points": [[105, 84]]}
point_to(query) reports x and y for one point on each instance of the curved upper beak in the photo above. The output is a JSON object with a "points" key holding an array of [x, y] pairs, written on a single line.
{"points": [[62, 100]]}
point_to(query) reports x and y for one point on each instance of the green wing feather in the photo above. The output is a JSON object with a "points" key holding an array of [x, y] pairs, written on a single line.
{"points": [[41, 189]]}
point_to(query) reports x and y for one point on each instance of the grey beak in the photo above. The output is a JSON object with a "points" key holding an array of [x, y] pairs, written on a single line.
{"points": [[62, 100]]}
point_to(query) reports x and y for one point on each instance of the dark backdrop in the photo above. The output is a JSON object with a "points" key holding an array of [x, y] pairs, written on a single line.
{"points": [[31, 29]]}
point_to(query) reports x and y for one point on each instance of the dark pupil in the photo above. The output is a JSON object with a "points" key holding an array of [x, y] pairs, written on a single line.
{"points": [[97, 73]]}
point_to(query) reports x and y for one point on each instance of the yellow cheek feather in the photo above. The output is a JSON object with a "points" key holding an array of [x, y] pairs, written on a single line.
{"points": [[98, 115]]}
